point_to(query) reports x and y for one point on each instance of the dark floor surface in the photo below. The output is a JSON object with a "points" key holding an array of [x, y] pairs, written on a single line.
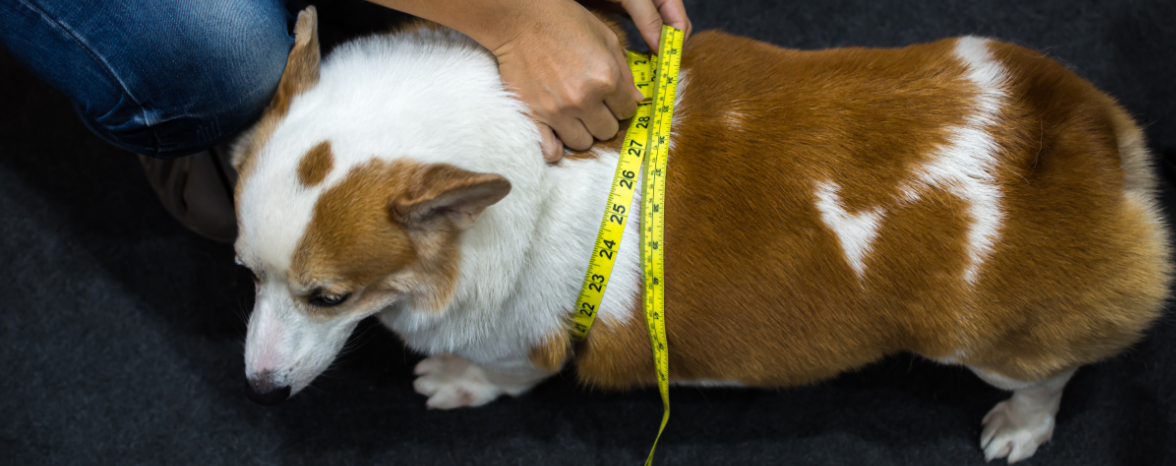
{"points": [[121, 333]]}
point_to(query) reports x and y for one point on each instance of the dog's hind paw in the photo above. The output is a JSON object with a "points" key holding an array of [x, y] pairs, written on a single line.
{"points": [[453, 382], [1013, 433]]}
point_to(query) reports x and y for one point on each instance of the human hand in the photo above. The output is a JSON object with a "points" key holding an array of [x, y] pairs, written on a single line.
{"points": [[563, 62], [568, 67], [649, 15]]}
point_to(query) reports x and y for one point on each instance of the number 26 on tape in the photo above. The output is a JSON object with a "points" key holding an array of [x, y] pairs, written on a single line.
{"points": [[627, 178]]}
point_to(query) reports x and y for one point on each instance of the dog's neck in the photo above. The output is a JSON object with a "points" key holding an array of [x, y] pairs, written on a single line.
{"points": [[523, 262]]}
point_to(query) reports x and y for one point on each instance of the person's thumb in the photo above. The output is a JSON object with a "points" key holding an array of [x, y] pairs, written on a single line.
{"points": [[550, 143]]}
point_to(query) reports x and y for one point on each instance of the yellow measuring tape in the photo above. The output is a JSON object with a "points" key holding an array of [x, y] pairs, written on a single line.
{"points": [[648, 136]]}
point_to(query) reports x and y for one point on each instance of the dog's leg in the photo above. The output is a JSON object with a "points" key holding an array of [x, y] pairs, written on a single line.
{"points": [[451, 381], [1017, 426]]}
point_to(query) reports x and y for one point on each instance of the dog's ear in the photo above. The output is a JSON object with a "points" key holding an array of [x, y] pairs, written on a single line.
{"points": [[302, 66], [446, 192], [301, 74]]}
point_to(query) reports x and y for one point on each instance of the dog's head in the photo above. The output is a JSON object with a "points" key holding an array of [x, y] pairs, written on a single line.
{"points": [[333, 233]]}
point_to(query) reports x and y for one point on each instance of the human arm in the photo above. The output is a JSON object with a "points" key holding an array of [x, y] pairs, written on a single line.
{"points": [[566, 65]]}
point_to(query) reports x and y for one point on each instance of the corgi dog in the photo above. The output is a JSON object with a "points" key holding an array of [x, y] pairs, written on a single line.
{"points": [[966, 200]]}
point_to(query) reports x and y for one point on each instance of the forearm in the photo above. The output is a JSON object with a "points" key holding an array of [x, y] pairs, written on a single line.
{"points": [[482, 20]]}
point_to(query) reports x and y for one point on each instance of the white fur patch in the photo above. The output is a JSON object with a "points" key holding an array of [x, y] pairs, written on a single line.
{"points": [[733, 120], [966, 166], [1139, 175], [953, 359], [680, 110], [856, 232]]}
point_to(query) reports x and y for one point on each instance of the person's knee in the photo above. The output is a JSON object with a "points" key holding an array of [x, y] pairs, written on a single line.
{"points": [[205, 76]]}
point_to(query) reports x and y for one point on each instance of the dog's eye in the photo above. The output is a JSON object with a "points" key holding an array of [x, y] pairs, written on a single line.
{"points": [[327, 300]]}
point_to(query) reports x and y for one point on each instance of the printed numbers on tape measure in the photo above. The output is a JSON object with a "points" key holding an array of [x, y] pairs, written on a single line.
{"points": [[643, 122], [620, 219], [628, 175], [598, 278], [587, 309], [634, 150]]}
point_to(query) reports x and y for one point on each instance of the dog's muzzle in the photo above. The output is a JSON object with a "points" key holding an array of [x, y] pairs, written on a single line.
{"points": [[263, 391]]}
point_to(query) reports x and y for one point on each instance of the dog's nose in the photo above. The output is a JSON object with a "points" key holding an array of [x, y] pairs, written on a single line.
{"points": [[262, 391]]}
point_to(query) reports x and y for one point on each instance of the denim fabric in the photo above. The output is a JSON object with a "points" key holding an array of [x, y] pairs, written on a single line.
{"points": [[163, 78]]}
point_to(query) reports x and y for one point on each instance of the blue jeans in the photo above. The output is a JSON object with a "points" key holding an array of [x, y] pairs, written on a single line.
{"points": [[162, 78]]}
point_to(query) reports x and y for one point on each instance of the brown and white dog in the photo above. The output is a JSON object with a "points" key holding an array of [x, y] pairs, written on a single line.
{"points": [[966, 200]]}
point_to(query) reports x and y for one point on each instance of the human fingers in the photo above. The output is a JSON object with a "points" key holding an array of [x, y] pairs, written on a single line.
{"points": [[572, 132], [647, 19], [623, 100], [607, 93], [550, 144], [674, 14], [601, 123]]}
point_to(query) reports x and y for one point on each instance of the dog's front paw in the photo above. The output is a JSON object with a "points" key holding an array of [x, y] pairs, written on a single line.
{"points": [[1013, 433], [453, 382]]}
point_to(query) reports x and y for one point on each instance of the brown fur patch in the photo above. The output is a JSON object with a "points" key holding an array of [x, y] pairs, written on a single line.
{"points": [[365, 233], [552, 352], [1084, 267], [758, 288], [351, 241], [316, 164]]}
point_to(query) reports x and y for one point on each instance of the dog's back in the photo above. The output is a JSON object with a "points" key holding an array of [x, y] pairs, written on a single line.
{"points": [[969, 200]]}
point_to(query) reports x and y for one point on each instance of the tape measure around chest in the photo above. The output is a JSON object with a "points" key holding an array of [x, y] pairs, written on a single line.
{"points": [[648, 136]]}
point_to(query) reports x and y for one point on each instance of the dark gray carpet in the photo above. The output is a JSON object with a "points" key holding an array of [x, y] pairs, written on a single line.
{"points": [[120, 332]]}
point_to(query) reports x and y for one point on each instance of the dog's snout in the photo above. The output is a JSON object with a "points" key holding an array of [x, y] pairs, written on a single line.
{"points": [[262, 390]]}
